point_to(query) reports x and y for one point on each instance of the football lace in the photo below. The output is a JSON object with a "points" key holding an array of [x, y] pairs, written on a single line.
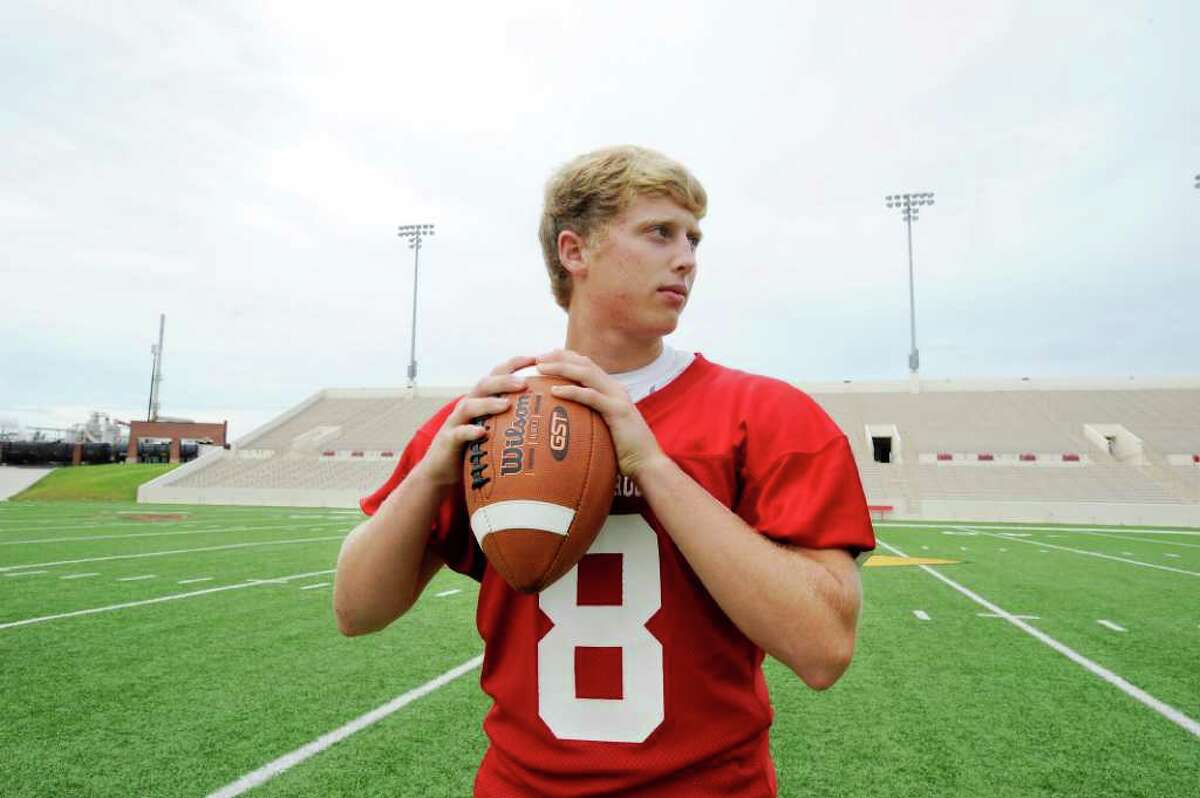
{"points": [[478, 480]]}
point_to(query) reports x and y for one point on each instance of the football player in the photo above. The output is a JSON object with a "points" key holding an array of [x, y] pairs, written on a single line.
{"points": [[734, 530]]}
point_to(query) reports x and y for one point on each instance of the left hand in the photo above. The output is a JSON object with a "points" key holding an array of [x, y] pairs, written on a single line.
{"points": [[634, 441]]}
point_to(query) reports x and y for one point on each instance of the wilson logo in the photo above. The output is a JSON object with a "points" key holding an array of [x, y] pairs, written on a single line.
{"points": [[512, 458], [560, 433]]}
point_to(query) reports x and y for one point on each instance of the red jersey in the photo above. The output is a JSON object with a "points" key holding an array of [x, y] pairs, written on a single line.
{"points": [[625, 677]]}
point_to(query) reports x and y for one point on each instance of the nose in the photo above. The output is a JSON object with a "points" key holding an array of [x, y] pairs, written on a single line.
{"points": [[685, 260]]}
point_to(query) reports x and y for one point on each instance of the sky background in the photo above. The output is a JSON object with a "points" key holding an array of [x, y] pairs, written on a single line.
{"points": [[242, 168]]}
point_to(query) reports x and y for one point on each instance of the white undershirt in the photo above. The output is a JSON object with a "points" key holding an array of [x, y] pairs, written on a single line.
{"points": [[641, 382]]}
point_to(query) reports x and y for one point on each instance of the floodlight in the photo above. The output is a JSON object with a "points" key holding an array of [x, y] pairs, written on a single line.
{"points": [[414, 233], [910, 211]]}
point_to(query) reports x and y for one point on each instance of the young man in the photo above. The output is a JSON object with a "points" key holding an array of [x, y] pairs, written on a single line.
{"points": [[733, 532]]}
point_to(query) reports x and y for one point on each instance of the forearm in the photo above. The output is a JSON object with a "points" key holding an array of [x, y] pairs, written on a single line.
{"points": [[793, 607], [379, 570]]}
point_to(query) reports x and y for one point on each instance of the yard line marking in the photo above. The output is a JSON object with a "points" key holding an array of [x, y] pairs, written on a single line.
{"points": [[27, 573], [1111, 625], [176, 551], [318, 584], [447, 593], [1166, 710], [172, 597], [926, 548], [135, 578], [931, 525], [213, 531], [1138, 539], [1096, 554], [79, 576], [921, 615], [1169, 554], [193, 581], [1004, 550], [1022, 617], [274, 768]]}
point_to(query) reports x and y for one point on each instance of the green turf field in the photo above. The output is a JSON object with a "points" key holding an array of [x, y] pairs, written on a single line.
{"points": [[111, 482], [110, 691]]}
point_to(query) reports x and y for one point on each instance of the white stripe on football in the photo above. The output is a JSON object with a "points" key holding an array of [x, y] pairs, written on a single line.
{"points": [[521, 514]]}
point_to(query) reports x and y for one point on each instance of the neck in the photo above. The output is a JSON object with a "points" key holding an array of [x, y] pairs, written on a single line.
{"points": [[613, 350]]}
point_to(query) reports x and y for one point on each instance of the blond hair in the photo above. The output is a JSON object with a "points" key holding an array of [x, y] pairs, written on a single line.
{"points": [[588, 192]]}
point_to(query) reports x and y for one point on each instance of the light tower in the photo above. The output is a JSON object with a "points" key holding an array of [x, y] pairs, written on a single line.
{"points": [[910, 210], [414, 233], [156, 371]]}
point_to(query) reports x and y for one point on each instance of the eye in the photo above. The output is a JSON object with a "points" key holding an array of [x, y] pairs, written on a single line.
{"points": [[694, 240], [662, 230]]}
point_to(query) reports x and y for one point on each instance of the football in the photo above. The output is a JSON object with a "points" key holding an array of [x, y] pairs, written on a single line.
{"points": [[539, 485]]}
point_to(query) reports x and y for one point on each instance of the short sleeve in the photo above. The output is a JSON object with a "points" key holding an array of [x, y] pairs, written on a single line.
{"points": [[450, 534], [800, 484]]}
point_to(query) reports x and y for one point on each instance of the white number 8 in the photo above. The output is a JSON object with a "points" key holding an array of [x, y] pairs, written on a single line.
{"points": [[630, 719]]}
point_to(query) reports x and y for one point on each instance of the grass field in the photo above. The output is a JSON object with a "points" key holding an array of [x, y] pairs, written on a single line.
{"points": [[155, 650], [112, 482]]}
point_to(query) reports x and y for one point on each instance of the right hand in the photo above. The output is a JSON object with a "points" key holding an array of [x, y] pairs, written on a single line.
{"points": [[443, 463]]}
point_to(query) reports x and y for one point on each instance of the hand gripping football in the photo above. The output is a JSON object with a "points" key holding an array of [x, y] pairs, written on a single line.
{"points": [[539, 485]]}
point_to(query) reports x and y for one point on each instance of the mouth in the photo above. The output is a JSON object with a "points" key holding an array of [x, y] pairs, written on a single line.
{"points": [[676, 290]]}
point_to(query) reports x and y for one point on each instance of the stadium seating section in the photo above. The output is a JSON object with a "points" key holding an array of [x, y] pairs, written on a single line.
{"points": [[1017, 444]]}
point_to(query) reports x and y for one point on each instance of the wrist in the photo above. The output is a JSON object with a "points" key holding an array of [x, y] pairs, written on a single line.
{"points": [[651, 467], [427, 477]]}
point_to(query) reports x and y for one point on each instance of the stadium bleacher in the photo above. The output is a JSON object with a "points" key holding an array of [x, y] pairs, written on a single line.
{"points": [[957, 445]]}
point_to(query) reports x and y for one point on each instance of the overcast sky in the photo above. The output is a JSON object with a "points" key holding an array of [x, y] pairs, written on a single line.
{"points": [[242, 167]]}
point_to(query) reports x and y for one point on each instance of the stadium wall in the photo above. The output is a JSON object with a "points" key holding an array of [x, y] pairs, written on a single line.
{"points": [[1109, 513]]}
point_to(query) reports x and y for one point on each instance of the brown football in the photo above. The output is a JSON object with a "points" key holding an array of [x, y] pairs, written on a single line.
{"points": [[539, 485]]}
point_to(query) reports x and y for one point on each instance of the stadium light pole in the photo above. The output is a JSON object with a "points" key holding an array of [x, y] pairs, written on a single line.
{"points": [[910, 210], [414, 233]]}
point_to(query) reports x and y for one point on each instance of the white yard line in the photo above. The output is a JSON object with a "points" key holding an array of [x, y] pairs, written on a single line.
{"points": [[921, 615], [193, 581], [1022, 617], [1138, 539], [27, 573], [79, 576], [317, 585], [213, 531], [275, 767], [447, 593], [175, 551], [1090, 553], [126, 605], [1131, 690], [931, 525], [136, 578], [1111, 625]]}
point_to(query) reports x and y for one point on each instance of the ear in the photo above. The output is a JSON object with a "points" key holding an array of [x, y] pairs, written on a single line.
{"points": [[571, 247]]}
